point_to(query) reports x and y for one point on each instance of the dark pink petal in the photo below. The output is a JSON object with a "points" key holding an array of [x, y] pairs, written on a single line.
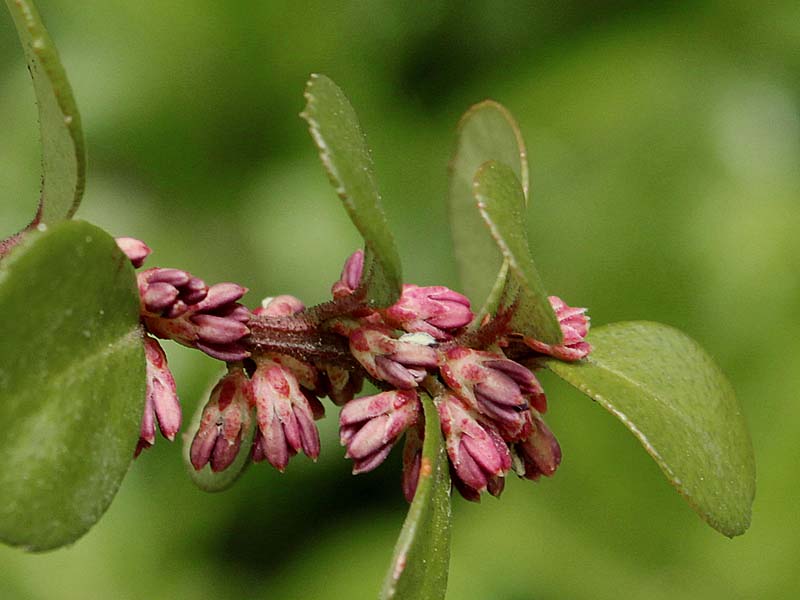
{"points": [[372, 461], [219, 295], [175, 277], [136, 250], [369, 439], [218, 330], [224, 453], [223, 352]]}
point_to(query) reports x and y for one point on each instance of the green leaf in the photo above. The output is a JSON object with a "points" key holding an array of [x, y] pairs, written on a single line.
{"points": [[63, 149], [206, 479], [344, 154], [487, 131], [422, 553], [72, 383], [501, 202], [669, 392]]}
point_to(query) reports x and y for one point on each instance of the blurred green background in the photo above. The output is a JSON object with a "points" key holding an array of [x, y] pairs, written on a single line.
{"points": [[664, 143]]}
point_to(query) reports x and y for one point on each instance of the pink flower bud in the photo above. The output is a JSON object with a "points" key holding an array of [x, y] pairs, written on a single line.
{"points": [[370, 426], [285, 417], [437, 311], [215, 325], [135, 250], [476, 451], [226, 418], [161, 400], [279, 306], [412, 459], [403, 363], [307, 376], [540, 453], [351, 275], [496, 387], [168, 292], [574, 327]]}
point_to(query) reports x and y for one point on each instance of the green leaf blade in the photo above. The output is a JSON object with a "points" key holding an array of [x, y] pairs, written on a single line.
{"points": [[346, 158], [501, 202], [63, 147], [487, 131], [422, 554], [672, 396], [72, 383]]}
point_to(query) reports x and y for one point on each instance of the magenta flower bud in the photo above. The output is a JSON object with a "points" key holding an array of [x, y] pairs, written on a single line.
{"points": [[215, 325], [225, 420], [370, 426], [169, 292], [279, 306], [284, 414], [496, 387], [161, 400], [539, 454], [351, 275], [339, 384], [135, 250], [412, 459], [403, 362], [476, 451], [437, 311], [574, 327]]}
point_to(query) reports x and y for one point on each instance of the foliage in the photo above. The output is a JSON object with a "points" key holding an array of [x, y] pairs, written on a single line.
{"points": [[717, 477]]}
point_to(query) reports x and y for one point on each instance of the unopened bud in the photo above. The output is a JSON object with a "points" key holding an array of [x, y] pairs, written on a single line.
{"points": [[370, 426], [436, 310]]}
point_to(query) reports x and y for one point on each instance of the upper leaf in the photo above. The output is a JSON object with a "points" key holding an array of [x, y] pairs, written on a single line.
{"points": [[344, 153], [677, 402], [63, 150], [501, 202], [72, 383], [422, 553], [487, 131]]}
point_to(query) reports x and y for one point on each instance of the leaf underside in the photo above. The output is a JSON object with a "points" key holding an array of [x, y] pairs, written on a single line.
{"points": [[72, 383], [501, 203], [63, 148], [672, 396], [487, 131], [347, 160], [422, 554]]}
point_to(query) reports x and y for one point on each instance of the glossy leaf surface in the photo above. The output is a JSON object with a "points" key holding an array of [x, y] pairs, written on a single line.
{"points": [[72, 377], [422, 553], [487, 131], [501, 202], [672, 396], [63, 150], [344, 154]]}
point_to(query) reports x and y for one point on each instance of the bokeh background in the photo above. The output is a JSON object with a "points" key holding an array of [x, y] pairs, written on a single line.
{"points": [[664, 143]]}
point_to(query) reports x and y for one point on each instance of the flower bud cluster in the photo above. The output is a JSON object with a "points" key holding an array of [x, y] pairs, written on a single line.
{"points": [[176, 305], [489, 404]]}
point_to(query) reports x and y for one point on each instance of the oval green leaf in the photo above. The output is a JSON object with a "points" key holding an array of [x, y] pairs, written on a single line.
{"points": [[63, 149], [346, 157], [672, 396], [206, 479], [487, 131], [501, 202], [72, 383], [422, 553]]}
